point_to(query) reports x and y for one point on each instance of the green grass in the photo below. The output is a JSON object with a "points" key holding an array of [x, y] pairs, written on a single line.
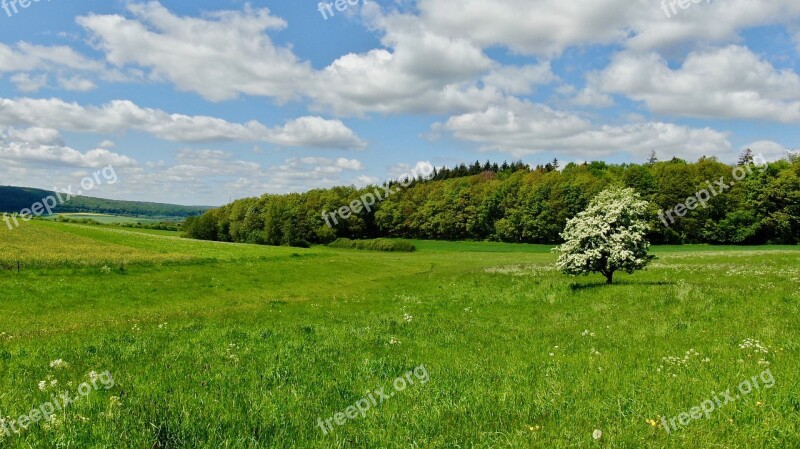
{"points": [[216, 345], [105, 218]]}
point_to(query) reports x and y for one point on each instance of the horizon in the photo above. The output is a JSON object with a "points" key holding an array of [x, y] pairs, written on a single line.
{"points": [[396, 179]]}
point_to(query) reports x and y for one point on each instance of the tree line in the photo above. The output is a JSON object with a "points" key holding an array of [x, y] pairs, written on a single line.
{"points": [[519, 203]]}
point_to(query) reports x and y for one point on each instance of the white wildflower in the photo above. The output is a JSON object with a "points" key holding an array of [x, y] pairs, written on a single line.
{"points": [[59, 364]]}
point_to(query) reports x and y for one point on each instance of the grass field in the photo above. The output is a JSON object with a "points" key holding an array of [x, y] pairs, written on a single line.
{"points": [[105, 218], [215, 345]]}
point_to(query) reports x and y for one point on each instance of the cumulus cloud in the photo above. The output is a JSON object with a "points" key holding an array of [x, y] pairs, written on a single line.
{"points": [[222, 56], [27, 83], [76, 83], [227, 54], [122, 115], [522, 128], [771, 150], [729, 82], [297, 175], [196, 176], [592, 98], [402, 171], [35, 136], [45, 148], [522, 80], [25, 57], [32, 65], [548, 27]]}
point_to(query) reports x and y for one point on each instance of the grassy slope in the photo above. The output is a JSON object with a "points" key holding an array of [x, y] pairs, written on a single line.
{"points": [[222, 345]]}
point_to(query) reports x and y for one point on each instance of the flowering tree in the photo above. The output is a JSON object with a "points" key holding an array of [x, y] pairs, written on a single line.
{"points": [[608, 236]]}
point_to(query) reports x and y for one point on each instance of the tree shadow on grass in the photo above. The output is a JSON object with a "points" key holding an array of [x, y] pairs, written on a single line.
{"points": [[575, 287]]}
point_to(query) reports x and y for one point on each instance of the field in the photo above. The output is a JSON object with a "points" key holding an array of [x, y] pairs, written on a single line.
{"points": [[215, 345], [104, 218]]}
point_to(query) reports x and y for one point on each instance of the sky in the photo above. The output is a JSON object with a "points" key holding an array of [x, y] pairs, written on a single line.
{"points": [[202, 102]]}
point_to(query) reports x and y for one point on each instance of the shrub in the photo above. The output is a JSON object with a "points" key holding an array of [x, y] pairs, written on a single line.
{"points": [[387, 245]]}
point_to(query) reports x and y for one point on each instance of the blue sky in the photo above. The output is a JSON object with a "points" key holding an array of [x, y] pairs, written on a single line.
{"points": [[200, 102]]}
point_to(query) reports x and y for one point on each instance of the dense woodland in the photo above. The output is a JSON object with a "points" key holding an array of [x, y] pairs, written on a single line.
{"points": [[519, 203]]}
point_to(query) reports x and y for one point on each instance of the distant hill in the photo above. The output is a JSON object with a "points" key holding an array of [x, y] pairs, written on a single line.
{"points": [[14, 199]]}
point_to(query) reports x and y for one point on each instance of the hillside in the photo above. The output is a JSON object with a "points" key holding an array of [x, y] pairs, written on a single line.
{"points": [[14, 199]]}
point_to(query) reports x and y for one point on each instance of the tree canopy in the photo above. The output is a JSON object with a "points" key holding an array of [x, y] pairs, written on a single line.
{"points": [[609, 236], [518, 203]]}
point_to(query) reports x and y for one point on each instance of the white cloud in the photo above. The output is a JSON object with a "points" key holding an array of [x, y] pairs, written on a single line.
{"points": [[519, 80], [45, 148], [591, 97], [771, 150], [209, 56], [315, 132], [522, 128], [349, 164], [33, 64], [221, 56], [225, 54], [401, 78], [36, 136], [402, 171], [25, 57], [27, 83], [122, 115], [548, 27], [107, 144], [295, 175], [715, 22], [730, 82], [544, 27], [76, 83]]}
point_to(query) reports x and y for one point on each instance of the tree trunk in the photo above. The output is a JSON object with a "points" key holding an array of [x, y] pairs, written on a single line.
{"points": [[610, 278]]}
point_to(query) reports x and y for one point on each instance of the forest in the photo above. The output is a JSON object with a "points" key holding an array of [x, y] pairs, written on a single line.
{"points": [[523, 204]]}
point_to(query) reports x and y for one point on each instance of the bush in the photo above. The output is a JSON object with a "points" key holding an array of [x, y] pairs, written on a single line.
{"points": [[86, 221], [299, 243], [375, 245]]}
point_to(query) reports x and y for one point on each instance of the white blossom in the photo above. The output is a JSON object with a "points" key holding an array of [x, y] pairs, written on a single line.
{"points": [[609, 236]]}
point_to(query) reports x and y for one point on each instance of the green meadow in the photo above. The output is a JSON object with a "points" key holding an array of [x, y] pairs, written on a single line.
{"points": [[215, 345], [104, 218]]}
